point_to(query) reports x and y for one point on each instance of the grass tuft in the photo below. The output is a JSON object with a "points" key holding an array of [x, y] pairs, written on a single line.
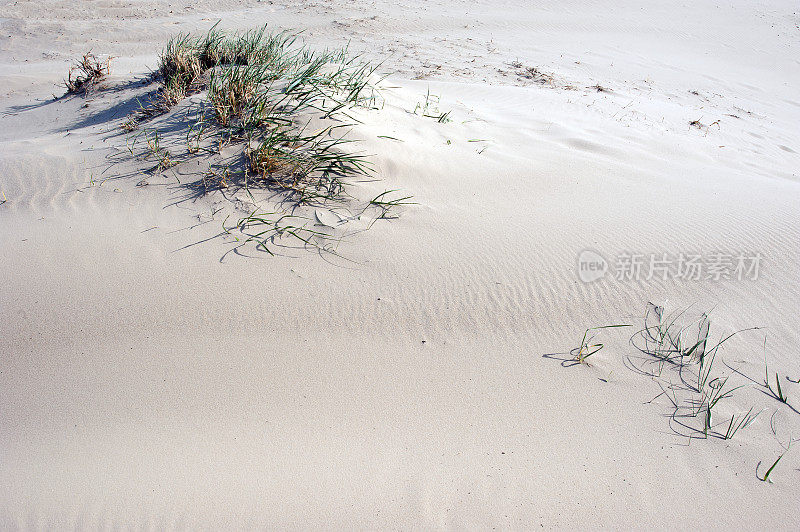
{"points": [[281, 113], [586, 348], [86, 74], [740, 421]]}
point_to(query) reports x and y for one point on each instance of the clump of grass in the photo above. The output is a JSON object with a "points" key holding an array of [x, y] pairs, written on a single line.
{"points": [[276, 160], [231, 92], [258, 85], [254, 47], [243, 68], [687, 371], [86, 73], [180, 68], [535, 75], [312, 166], [330, 78], [280, 110]]}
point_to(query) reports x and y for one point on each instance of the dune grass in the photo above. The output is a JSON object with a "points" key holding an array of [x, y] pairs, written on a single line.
{"points": [[677, 352], [157, 151], [86, 74], [586, 349], [263, 90], [740, 421], [684, 357], [776, 392], [429, 108], [264, 111], [765, 478], [695, 385]]}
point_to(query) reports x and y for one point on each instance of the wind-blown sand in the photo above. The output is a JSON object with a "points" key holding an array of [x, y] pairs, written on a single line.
{"points": [[150, 377]]}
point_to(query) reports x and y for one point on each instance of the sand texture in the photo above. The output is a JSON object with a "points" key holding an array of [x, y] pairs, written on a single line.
{"points": [[155, 373]]}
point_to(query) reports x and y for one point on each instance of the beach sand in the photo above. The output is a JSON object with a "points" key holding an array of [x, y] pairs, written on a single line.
{"points": [[152, 377]]}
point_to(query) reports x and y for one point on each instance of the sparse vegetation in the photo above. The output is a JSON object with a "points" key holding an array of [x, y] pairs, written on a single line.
{"points": [[385, 204], [777, 392], [765, 478], [429, 108], [267, 112], [693, 385], [704, 127], [157, 151], [257, 87], [740, 421], [86, 74], [586, 348], [679, 355]]}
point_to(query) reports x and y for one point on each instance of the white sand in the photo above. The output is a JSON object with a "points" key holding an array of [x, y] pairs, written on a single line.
{"points": [[147, 381]]}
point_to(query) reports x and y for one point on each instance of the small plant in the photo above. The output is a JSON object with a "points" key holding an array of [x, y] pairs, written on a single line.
{"points": [[587, 349], [217, 178], [739, 422], [685, 356], [179, 67], [383, 202], [86, 74], [430, 108], [273, 227], [776, 392], [161, 154], [765, 478], [534, 74], [194, 136], [701, 126], [711, 395]]}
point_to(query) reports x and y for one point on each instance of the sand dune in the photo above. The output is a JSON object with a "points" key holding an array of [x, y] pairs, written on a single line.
{"points": [[157, 374]]}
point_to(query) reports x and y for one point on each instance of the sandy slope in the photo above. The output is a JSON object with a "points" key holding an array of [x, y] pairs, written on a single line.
{"points": [[151, 377]]}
